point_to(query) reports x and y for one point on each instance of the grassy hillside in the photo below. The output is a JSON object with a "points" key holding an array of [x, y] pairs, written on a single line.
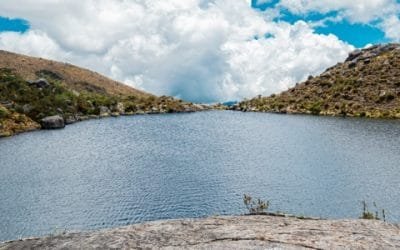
{"points": [[79, 79], [32, 89], [367, 84]]}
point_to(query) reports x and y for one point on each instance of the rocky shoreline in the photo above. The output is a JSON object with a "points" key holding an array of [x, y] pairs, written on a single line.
{"points": [[59, 122], [228, 232]]}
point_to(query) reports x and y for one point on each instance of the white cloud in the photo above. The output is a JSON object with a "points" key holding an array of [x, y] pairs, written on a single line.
{"points": [[391, 26], [383, 14], [200, 50], [363, 11]]}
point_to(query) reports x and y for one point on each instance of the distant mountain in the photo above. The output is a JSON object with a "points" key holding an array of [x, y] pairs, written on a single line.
{"points": [[367, 84], [37, 93]]}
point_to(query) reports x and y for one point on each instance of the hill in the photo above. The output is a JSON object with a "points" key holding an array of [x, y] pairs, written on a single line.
{"points": [[367, 84], [37, 93], [79, 79]]}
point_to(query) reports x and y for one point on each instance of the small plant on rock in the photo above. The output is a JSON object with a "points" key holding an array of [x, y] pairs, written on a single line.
{"points": [[255, 206], [368, 215]]}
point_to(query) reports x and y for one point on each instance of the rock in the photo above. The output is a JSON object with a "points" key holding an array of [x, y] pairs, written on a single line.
{"points": [[115, 114], [7, 104], [27, 108], [41, 83], [120, 108], [352, 64], [53, 122], [71, 119], [83, 118], [229, 232], [199, 107], [104, 111], [353, 55]]}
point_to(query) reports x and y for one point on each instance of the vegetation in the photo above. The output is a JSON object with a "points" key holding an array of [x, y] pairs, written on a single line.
{"points": [[75, 78], [68, 91], [3, 113], [260, 207], [366, 214], [367, 84], [255, 206]]}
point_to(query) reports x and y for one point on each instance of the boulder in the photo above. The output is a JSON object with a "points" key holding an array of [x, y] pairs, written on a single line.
{"points": [[353, 55], [104, 111], [71, 119], [7, 104], [27, 108], [53, 122], [120, 108], [41, 83]]}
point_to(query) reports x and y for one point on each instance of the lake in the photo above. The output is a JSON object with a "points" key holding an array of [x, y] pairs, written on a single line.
{"points": [[119, 171]]}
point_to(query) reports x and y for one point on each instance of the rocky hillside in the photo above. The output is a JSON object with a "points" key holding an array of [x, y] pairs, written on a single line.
{"points": [[367, 84], [37, 93], [76, 78], [235, 232]]}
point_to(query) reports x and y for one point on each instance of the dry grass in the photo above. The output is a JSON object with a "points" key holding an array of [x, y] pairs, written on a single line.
{"points": [[369, 88], [72, 76]]}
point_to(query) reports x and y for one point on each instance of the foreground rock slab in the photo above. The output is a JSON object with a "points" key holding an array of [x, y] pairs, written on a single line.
{"points": [[235, 232]]}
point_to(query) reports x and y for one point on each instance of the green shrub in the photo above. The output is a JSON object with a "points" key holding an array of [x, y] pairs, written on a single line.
{"points": [[367, 215], [4, 113], [315, 108], [255, 206]]}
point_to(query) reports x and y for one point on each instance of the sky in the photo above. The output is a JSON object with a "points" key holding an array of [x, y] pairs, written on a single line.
{"points": [[199, 50]]}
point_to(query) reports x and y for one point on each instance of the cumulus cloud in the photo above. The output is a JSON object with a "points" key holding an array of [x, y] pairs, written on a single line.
{"points": [[356, 11], [199, 50], [383, 14], [391, 26]]}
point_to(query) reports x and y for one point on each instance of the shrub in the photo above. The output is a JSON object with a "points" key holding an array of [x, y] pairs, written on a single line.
{"points": [[315, 108], [4, 113], [367, 215], [255, 206]]}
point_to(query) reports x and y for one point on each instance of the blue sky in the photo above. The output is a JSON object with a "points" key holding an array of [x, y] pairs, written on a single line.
{"points": [[357, 34], [17, 25]]}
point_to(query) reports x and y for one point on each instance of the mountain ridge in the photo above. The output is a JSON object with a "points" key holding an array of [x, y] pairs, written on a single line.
{"points": [[76, 77], [366, 84]]}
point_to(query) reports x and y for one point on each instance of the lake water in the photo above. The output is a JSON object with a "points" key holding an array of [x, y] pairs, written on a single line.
{"points": [[119, 171]]}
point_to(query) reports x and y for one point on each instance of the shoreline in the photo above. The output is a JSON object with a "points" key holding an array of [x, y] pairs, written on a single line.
{"points": [[376, 118], [97, 117], [245, 232]]}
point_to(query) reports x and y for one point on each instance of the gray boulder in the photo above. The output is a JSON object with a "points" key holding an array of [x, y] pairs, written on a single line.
{"points": [[53, 122], [41, 83], [71, 119], [104, 111], [27, 108]]}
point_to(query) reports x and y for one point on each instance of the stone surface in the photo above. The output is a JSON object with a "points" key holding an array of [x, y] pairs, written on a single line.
{"points": [[52, 122], [104, 111], [236, 232], [40, 83]]}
